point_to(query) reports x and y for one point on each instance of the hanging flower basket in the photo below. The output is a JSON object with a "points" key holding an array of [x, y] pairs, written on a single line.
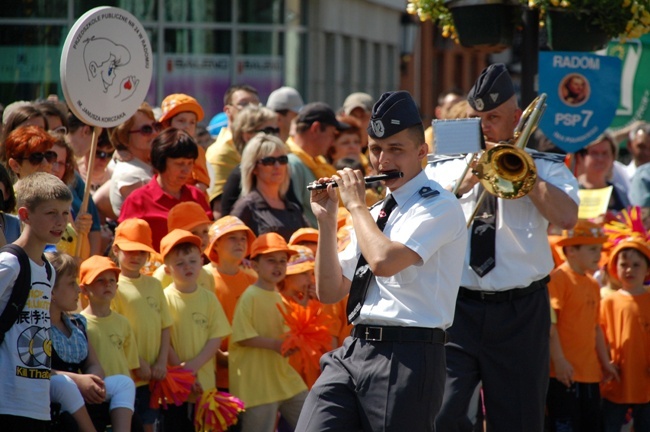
{"points": [[574, 31], [485, 23]]}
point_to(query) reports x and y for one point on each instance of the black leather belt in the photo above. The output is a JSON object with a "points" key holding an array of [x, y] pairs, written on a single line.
{"points": [[503, 296], [399, 334]]}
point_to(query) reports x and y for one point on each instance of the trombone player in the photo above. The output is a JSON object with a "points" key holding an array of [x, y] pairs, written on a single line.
{"points": [[500, 333]]}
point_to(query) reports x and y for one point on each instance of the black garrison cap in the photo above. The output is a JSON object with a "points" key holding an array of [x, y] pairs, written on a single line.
{"points": [[392, 113], [492, 88]]}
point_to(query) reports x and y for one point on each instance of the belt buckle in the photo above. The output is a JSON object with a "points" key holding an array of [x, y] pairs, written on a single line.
{"points": [[485, 294], [372, 337]]}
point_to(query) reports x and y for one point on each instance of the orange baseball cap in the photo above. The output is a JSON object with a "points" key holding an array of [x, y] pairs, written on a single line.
{"points": [[134, 235], [302, 261], [637, 243], [93, 267], [583, 233], [177, 103], [304, 235], [223, 226], [186, 215], [269, 243], [176, 237]]}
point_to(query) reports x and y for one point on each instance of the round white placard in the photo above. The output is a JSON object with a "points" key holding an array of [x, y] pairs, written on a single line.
{"points": [[106, 66]]}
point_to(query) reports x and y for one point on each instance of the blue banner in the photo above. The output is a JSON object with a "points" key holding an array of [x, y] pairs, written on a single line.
{"points": [[583, 92]]}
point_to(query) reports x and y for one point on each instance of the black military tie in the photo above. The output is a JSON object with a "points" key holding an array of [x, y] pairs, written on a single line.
{"points": [[482, 247], [362, 274]]}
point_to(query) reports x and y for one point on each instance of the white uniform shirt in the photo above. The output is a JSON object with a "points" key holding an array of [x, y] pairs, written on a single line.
{"points": [[422, 295], [25, 353], [523, 254]]}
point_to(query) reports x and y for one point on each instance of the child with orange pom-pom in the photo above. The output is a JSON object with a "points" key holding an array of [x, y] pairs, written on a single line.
{"points": [[260, 373]]}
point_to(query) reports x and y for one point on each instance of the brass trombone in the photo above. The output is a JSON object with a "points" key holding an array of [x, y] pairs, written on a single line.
{"points": [[506, 170]]}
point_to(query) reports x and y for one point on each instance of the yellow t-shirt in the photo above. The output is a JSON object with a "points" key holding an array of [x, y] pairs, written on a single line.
{"points": [[114, 342], [260, 376], [198, 317], [224, 157], [205, 280], [143, 303]]}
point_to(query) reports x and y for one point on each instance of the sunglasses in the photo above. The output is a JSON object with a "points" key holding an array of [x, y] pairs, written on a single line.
{"points": [[37, 158], [271, 160], [148, 129], [100, 154], [270, 130]]}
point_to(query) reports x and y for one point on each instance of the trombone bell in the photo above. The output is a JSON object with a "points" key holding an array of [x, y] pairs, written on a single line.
{"points": [[506, 171]]}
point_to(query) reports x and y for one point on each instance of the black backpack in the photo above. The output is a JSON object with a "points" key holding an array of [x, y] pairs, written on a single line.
{"points": [[21, 288]]}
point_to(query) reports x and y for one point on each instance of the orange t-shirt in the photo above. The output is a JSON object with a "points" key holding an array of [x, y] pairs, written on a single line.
{"points": [[626, 323], [576, 298], [228, 289]]}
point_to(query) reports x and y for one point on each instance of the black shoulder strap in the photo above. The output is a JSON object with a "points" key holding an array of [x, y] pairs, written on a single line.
{"points": [[20, 290]]}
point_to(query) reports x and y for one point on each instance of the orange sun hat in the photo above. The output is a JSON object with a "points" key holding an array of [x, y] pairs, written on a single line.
{"points": [[94, 266], [186, 215], [635, 242], [269, 243], [177, 103], [302, 261], [583, 233], [223, 226], [176, 237], [134, 235]]}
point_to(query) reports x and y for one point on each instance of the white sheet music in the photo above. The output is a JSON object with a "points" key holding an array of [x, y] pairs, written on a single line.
{"points": [[457, 136]]}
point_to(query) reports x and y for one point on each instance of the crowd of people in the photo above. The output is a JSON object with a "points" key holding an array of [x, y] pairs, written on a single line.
{"points": [[191, 255]]}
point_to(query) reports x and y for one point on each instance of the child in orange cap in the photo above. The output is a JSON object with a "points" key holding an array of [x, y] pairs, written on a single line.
{"points": [[183, 112], [191, 217], [199, 322], [79, 373], [141, 300], [625, 318], [109, 333], [578, 352], [260, 375], [230, 241]]}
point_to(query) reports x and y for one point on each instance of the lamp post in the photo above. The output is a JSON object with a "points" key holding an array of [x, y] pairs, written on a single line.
{"points": [[529, 55], [409, 30]]}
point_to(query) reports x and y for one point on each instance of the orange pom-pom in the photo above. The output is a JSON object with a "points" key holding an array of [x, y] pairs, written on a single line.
{"points": [[174, 388], [308, 332], [217, 411]]}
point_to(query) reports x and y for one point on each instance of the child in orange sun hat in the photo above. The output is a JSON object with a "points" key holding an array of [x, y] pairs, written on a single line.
{"points": [[625, 318], [578, 354]]}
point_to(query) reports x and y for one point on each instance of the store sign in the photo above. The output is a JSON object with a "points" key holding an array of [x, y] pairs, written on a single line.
{"points": [[583, 93], [106, 66]]}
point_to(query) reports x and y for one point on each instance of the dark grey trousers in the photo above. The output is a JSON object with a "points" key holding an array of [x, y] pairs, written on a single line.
{"points": [[506, 346], [376, 386]]}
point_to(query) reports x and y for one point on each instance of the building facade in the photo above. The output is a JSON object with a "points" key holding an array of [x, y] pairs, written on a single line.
{"points": [[324, 48]]}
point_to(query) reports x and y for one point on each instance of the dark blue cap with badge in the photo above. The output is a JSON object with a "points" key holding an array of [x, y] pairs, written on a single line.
{"points": [[392, 113], [492, 88]]}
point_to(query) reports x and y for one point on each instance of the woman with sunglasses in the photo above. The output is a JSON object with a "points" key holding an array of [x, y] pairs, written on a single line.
{"points": [[132, 140], [172, 155], [27, 150], [263, 205], [249, 120]]}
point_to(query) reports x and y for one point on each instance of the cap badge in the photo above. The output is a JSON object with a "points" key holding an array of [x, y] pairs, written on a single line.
{"points": [[494, 96], [479, 104], [378, 128]]}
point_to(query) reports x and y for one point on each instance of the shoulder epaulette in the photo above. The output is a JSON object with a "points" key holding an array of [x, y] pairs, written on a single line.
{"points": [[551, 157], [435, 158]]}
